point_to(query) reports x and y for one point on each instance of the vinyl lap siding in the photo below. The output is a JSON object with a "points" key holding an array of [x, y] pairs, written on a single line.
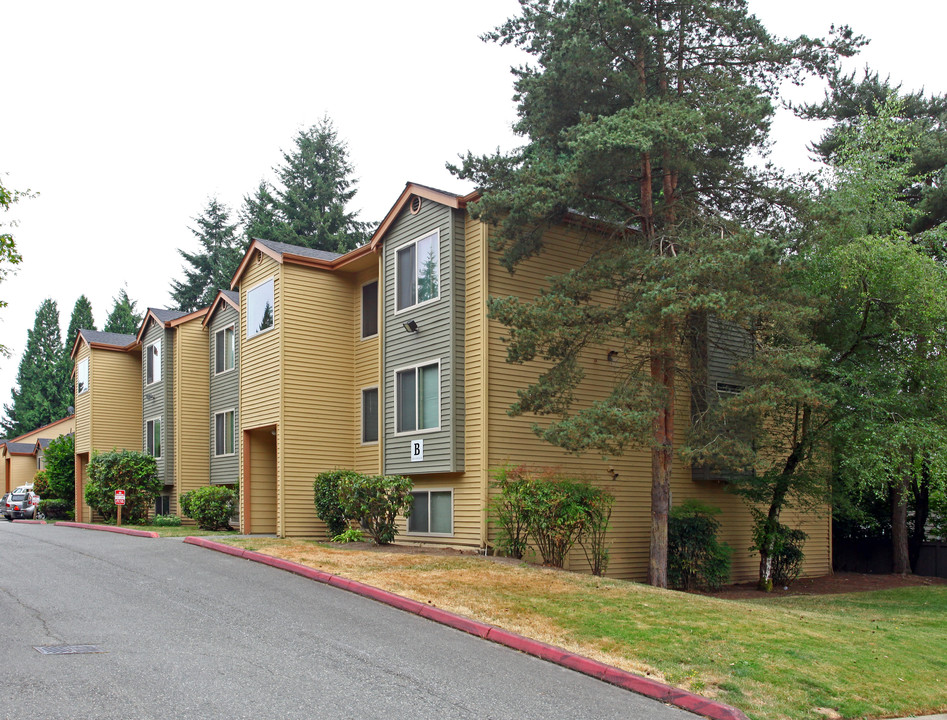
{"points": [[116, 400], [319, 408], [367, 374], [158, 399], [84, 405], [191, 407], [224, 395]]}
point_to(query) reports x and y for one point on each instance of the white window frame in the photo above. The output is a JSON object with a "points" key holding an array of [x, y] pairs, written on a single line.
{"points": [[233, 329], [377, 414], [426, 363], [223, 413], [149, 435], [156, 366], [361, 307], [82, 376], [428, 491], [437, 242], [271, 281]]}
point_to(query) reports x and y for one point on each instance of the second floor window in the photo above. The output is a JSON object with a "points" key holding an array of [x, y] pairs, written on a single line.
{"points": [[418, 272], [370, 309], [225, 350], [153, 363], [225, 433], [82, 376], [418, 398]]}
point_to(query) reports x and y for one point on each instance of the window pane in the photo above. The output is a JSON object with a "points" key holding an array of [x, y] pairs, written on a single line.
{"points": [[155, 357], [406, 401], [219, 434], [231, 433], [429, 415], [370, 415], [82, 376], [428, 272], [370, 309], [418, 519], [260, 308], [157, 441], [229, 349], [219, 353], [441, 512], [406, 278]]}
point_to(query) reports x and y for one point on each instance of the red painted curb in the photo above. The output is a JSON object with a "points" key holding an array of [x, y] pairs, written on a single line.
{"points": [[31, 522], [606, 673], [110, 528]]}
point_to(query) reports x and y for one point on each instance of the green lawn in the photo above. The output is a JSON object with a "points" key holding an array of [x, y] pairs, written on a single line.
{"points": [[874, 654]]}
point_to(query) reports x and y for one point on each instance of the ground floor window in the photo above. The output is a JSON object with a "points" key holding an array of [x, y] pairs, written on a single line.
{"points": [[163, 505], [432, 512], [153, 437]]}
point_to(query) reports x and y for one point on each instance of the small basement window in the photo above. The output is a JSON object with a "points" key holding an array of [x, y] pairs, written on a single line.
{"points": [[432, 512]]}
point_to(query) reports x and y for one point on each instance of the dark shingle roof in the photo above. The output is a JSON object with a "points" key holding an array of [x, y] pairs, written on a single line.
{"points": [[44, 442], [287, 249], [231, 295], [167, 315], [21, 448], [108, 338]]}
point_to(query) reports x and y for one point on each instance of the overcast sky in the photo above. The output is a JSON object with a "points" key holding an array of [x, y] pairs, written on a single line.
{"points": [[127, 117]]}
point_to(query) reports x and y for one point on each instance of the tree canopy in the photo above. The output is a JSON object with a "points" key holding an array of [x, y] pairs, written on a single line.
{"points": [[81, 319], [123, 318], [214, 264], [309, 204], [9, 256], [643, 116]]}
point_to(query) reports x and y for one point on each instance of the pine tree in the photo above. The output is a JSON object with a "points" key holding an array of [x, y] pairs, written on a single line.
{"points": [[213, 266], [123, 318], [643, 116], [308, 207], [81, 319], [42, 392]]}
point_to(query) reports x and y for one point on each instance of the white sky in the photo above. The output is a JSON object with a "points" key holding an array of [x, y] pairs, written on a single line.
{"points": [[126, 117]]}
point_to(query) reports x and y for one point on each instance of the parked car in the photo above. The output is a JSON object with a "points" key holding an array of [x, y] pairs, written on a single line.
{"points": [[21, 504]]}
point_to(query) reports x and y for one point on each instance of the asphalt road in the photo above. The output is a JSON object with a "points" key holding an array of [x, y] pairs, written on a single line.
{"points": [[189, 633]]}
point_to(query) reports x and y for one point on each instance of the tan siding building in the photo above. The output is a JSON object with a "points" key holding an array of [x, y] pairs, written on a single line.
{"points": [[21, 456]]}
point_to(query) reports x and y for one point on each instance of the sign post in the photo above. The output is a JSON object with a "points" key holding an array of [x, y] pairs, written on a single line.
{"points": [[119, 501]]}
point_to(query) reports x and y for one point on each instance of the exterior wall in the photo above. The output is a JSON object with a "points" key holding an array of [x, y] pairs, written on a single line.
{"points": [[260, 509], [158, 398], [260, 366], [441, 326], [224, 395], [367, 366], [191, 408], [50, 432], [22, 468], [319, 408], [84, 405], [115, 390]]}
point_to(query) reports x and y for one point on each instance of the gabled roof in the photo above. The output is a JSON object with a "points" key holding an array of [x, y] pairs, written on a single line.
{"points": [[18, 448], [54, 423], [298, 255], [42, 444], [167, 318], [423, 191], [104, 340], [224, 297]]}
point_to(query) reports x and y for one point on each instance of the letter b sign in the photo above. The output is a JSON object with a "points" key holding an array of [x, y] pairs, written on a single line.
{"points": [[417, 450]]}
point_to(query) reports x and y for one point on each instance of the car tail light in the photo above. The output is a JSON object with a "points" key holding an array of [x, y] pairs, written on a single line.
{"points": [[16, 507]]}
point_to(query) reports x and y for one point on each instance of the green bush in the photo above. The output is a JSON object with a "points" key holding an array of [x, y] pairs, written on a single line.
{"points": [[211, 506], [695, 558], [166, 521], [328, 505], [60, 460], [350, 534], [56, 509], [41, 483], [375, 501], [134, 472], [785, 546], [552, 511]]}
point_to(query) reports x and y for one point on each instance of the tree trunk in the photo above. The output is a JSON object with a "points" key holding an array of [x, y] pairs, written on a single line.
{"points": [[901, 562], [662, 372], [921, 490]]}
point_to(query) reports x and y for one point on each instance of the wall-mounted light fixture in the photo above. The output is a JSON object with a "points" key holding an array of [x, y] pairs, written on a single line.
{"points": [[149, 396], [410, 326], [612, 356]]}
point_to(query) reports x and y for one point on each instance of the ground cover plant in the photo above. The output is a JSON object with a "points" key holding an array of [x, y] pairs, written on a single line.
{"points": [[872, 654]]}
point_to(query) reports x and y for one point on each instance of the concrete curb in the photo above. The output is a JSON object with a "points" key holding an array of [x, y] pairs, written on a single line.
{"points": [[622, 678], [31, 522], [110, 528]]}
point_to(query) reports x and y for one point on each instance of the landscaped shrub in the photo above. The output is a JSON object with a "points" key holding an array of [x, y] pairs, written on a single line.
{"points": [[350, 534], [598, 512], [375, 501], [785, 550], [40, 483], [60, 460], [509, 510], [328, 505], [211, 506], [134, 472], [695, 558], [558, 514], [166, 521], [56, 509]]}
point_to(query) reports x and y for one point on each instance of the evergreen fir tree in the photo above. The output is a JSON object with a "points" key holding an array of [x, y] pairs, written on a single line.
{"points": [[81, 319], [213, 266], [42, 392], [123, 318], [308, 207]]}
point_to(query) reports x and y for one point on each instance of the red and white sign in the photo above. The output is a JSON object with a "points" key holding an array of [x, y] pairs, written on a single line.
{"points": [[119, 497]]}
